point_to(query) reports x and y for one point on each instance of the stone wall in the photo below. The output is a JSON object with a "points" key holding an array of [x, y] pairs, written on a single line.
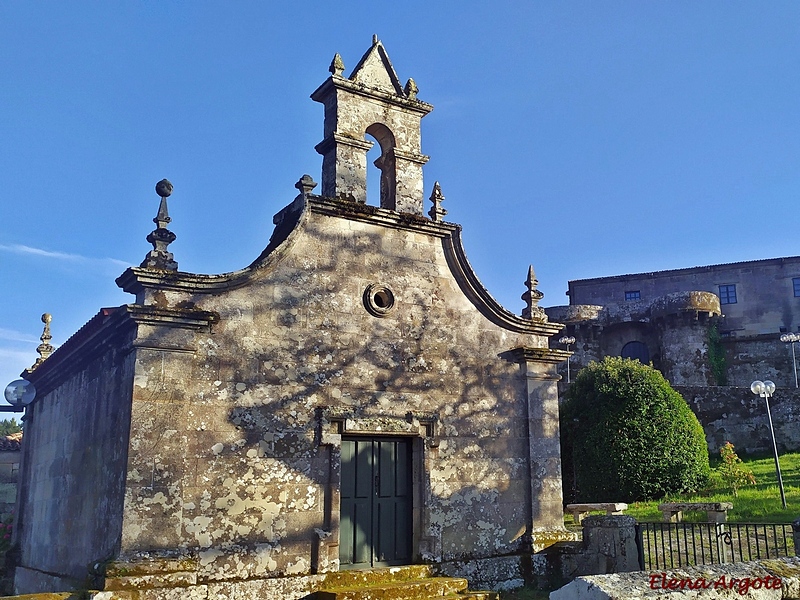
{"points": [[759, 357], [737, 415], [234, 449], [72, 474]]}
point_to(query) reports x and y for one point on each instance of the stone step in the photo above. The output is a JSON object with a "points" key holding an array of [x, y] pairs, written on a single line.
{"points": [[346, 579], [430, 587]]}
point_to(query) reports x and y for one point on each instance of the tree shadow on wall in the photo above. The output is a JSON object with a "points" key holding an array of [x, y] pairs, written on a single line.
{"points": [[261, 476]]}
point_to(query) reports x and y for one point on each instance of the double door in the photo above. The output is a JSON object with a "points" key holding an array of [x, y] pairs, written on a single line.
{"points": [[375, 521]]}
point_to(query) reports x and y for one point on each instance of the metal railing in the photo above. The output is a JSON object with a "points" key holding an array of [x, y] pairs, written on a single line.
{"points": [[670, 545]]}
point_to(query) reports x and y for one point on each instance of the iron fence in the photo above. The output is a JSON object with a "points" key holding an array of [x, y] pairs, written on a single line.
{"points": [[670, 545]]}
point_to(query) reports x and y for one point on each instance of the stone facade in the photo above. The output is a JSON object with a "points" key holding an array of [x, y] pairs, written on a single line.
{"points": [[202, 436]]}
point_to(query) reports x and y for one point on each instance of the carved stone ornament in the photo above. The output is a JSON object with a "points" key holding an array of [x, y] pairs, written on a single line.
{"points": [[44, 349], [532, 296], [161, 237], [337, 65], [437, 212]]}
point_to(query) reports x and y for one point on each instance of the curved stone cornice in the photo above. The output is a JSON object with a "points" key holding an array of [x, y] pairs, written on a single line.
{"points": [[481, 298], [136, 280]]}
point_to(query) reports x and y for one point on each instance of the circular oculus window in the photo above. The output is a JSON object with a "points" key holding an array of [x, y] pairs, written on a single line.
{"points": [[378, 299]]}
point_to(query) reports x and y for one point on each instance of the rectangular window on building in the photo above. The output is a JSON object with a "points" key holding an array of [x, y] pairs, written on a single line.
{"points": [[796, 286], [727, 294], [633, 295]]}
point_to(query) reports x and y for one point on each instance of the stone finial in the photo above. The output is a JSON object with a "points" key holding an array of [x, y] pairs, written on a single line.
{"points": [[437, 212], [411, 89], [374, 39], [305, 184], [532, 296], [337, 65], [44, 349], [159, 258]]}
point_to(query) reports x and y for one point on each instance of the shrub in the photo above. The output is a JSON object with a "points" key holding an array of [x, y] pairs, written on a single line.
{"points": [[627, 435], [732, 470]]}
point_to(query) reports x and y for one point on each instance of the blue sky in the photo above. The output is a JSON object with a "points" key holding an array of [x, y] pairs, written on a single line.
{"points": [[586, 138]]}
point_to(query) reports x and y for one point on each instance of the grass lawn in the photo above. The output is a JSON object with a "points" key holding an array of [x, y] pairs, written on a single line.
{"points": [[759, 503]]}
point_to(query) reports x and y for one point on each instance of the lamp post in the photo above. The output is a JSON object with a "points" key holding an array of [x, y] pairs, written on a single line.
{"points": [[792, 338], [765, 389], [567, 340], [19, 394]]}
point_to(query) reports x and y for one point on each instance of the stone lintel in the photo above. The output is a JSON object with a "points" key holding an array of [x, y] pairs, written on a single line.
{"points": [[334, 421]]}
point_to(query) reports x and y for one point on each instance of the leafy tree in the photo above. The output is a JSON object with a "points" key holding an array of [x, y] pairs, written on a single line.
{"points": [[627, 435], [9, 426]]}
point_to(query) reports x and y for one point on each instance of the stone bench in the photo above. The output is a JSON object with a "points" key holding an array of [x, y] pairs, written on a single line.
{"points": [[579, 511], [716, 512]]}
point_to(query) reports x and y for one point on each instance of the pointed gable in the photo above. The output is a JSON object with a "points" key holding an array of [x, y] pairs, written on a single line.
{"points": [[375, 70]]}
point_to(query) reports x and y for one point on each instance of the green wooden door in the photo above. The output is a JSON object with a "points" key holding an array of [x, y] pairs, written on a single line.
{"points": [[375, 522]]}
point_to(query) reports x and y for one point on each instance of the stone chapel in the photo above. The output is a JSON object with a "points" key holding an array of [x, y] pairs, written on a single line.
{"points": [[352, 399]]}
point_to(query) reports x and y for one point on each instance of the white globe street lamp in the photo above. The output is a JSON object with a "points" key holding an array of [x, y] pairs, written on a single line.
{"points": [[567, 340], [792, 338], [765, 389], [19, 394]]}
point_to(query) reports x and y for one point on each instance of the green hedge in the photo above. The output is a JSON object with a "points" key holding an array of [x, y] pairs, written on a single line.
{"points": [[627, 435]]}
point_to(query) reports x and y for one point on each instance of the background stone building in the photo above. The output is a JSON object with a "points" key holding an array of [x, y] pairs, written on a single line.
{"points": [[710, 330], [756, 301], [353, 398]]}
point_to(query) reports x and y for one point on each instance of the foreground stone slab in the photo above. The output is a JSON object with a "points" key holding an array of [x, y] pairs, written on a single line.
{"points": [[758, 580]]}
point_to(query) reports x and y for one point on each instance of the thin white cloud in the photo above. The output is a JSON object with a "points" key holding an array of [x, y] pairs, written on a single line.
{"points": [[17, 336], [31, 251], [18, 356], [12, 363]]}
